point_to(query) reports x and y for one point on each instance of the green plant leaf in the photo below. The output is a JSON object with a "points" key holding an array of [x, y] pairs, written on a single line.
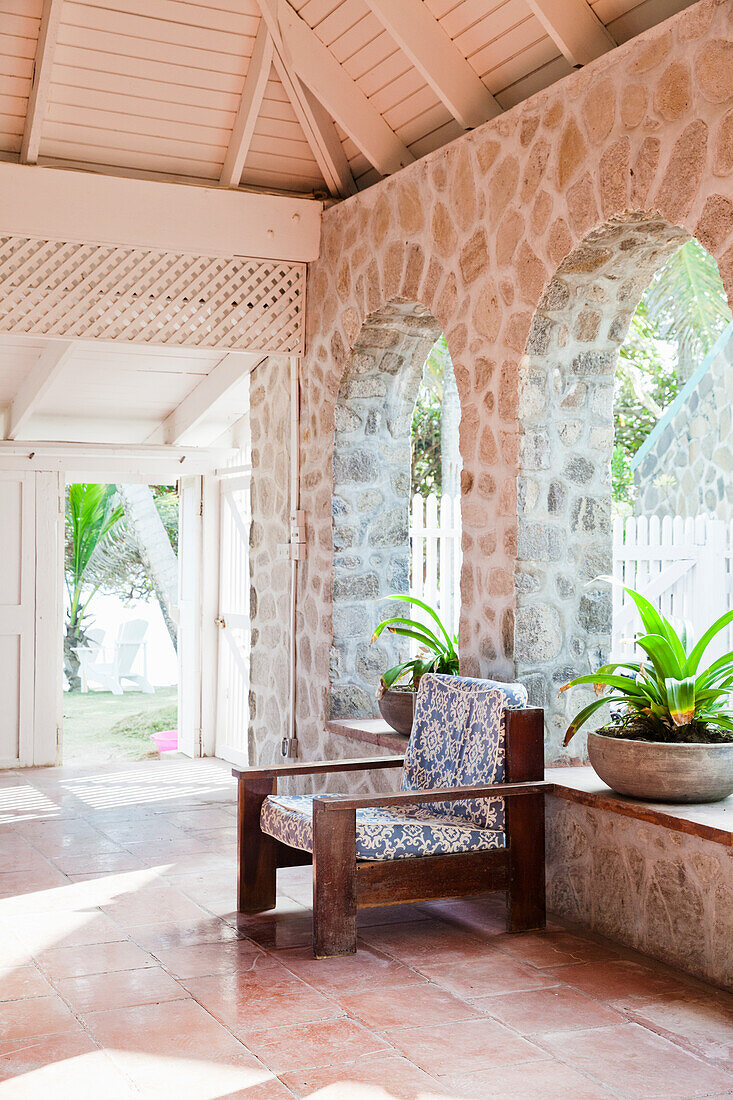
{"points": [[430, 639], [587, 712], [681, 696], [622, 683], [428, 610], [696, 656]]}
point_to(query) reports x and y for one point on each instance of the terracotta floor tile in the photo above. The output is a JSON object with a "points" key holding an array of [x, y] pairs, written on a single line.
{"points": [[89, 1074], [464, 1047], [542, 1011], [35, 1016], [421, 942], [102, 863], [155, 905], [324, 1043], [529, 1081], [369, 969], [96, 992], [20, 1056], [100, 958], [212, 958], [702, 1025], [637, 1063], [182, 934], [42, 877], [385, 1009], [23, 981], [496, 973], [178, 1049], [545, 949], [208, 818], [392, 1075], [619, 982], [255, 1000], [66, 929]]}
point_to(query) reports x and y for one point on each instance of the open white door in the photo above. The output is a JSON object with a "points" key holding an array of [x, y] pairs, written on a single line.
{"points": [[30, 651], [190, 556], [17, 615], [232, 712]]}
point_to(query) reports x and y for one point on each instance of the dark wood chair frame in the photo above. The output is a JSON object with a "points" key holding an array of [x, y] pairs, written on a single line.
{"points": [[342, 884]]}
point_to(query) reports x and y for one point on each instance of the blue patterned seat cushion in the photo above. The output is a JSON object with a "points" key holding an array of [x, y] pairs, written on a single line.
{"points": [[381, 833], [457, 740]]}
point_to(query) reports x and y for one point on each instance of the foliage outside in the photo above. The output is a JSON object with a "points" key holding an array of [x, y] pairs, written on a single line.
{"points": [[438, 650], [427, 424], [679, 318], [669, 697]]}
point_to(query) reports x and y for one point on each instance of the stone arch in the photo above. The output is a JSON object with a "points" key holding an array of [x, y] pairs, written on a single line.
{"points": [[566, 389], [371, 494]]}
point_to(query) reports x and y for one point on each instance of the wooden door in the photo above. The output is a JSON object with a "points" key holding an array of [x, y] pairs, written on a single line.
{"points": [[234, 623], [17, 617], [190, 560]]}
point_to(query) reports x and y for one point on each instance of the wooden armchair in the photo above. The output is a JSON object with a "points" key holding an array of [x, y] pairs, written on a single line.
{"points": [[469, 818]]}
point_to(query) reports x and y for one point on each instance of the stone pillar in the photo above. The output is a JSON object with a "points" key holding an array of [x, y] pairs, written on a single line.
{"points": [[269, 569], [371, 497]]}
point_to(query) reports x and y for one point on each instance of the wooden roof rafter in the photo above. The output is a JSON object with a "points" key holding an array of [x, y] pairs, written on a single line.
{"points": [[250, 104], [43, 64], [420, 36], [575, 28]]}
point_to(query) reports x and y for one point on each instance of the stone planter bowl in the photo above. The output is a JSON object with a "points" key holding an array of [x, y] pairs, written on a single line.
{"points": [[660, 772], [397, 707]]}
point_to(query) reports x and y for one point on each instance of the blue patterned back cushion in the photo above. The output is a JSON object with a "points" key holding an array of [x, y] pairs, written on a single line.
{"points": [[458, 739]]}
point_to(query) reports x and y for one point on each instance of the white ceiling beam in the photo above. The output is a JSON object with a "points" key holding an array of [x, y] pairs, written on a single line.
{"points": [[36, 385], [38, 99], [258, 74], [316, 124], [420, 36], [315, 65], [199, 403], [575, 28], [212, 221]]}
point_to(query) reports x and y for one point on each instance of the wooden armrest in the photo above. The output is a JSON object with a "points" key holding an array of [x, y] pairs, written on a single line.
{"points": [[442, 794], [317, 767]]}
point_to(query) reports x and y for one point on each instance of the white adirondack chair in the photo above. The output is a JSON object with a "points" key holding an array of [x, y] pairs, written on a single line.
{"points": [[110, 674]]}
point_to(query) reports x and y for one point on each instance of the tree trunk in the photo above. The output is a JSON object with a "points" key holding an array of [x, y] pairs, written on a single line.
{"points": [[154, 546], [450, 422]]}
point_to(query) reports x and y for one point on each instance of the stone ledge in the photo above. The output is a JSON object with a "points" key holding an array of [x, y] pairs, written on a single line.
{"points": [[710, 821], [371, 731]]}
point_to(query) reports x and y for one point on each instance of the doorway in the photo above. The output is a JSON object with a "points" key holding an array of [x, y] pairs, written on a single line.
{"points": [[120, 666]]}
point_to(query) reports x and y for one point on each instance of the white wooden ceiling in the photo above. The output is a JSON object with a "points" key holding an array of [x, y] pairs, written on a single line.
{"points": [[107, 393], [301, 96]]}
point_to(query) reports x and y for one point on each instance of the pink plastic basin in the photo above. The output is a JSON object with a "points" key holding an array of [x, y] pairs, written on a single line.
{"points": [[165, 740]]}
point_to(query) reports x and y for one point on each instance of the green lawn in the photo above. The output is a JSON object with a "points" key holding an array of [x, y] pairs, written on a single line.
{"points": [[100, 728]]}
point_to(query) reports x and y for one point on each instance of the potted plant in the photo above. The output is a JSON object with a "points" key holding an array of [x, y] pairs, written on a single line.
{"points": [[438, 653], [670, 737]]}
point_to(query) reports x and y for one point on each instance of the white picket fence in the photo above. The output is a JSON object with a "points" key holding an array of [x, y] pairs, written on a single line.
{"points": [[683, 566], [435, 546]]}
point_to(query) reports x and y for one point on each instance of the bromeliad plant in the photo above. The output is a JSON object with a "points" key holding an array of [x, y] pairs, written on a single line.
{"points": [[438, 648], [668, 698]]}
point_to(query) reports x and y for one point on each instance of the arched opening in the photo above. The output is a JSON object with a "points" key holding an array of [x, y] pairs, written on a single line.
{"points": [[373, 467], [566, 411]]}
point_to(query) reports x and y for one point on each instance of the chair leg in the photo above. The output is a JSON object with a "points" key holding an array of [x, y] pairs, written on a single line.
{"points": [[257, 852], [525, 822], [334, 881]]}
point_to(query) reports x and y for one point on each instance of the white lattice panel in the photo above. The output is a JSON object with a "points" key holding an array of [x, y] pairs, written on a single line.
{"points": [[140, 296]]}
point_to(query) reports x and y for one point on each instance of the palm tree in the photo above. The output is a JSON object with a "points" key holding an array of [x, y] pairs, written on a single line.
{"points": [[687, 304], [155, 549], [92, 514]]}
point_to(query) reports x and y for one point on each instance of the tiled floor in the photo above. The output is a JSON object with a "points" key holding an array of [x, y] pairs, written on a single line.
{"points": [[124, 971]]}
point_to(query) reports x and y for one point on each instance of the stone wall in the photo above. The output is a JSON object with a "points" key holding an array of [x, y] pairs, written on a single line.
{"points": [[667, 894], [475, 233], [269, 568], [566, 380], [371, 498], [685, 466]]}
